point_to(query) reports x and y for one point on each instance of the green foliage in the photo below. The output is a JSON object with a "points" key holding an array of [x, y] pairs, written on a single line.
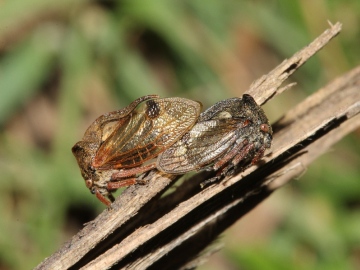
{"points": [[63, 63]]}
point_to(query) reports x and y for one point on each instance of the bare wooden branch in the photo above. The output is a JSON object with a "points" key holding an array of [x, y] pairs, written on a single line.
{"points": [[268, 85], [144, 231], [297, 144]]}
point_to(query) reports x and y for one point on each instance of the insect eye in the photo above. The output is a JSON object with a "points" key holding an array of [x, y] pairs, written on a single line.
{"points": [[264, 128], [88, 183]]}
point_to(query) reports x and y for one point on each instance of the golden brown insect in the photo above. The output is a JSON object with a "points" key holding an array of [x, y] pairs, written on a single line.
{"points": [[229, 134], [121, 144]]}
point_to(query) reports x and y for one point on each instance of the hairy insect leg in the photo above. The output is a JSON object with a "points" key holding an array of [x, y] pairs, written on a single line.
{"points": [[212, 179], [133, 171], [229, 156], [243, 153], [102, 198], [120, 179], [231, 168], [236, 159], [258, 155], [222, 167], [121, 183]]}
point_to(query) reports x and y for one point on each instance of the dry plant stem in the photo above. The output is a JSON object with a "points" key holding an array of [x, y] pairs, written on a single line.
{"points": [[127, 206], [268, 85], [297, 145], [139, 205]]}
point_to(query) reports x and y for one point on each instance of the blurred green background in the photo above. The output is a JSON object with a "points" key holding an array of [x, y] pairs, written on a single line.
{"points": [[63, 63]]}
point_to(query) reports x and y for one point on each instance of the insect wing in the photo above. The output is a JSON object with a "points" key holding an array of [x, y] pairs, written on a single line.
{"points": [[150, 129], [204, 143]]}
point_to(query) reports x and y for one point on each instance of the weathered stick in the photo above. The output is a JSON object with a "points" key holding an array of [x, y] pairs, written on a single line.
{"points": [[142, 231], [305, 137]]}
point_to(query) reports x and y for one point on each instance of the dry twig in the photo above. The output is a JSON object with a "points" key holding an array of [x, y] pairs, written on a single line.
{"points": [[144, 231]]}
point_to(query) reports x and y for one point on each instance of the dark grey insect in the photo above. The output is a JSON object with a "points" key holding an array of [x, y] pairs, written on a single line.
{"points": [[231, 133]]}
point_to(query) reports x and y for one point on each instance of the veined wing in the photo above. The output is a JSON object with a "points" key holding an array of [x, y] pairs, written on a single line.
{"points": [[203, 144], [151, 128]]}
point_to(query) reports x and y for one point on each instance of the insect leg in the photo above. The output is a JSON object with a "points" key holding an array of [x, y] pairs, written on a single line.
{"points": [[102, 199], [258, 155], [213, 179], [133, 171], [230, 169], [221, 166], [119, 179], [121, 183], [230, 155], [243, 153]]}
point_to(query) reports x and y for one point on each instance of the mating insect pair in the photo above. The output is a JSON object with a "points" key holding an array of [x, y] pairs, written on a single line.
{"points": [[171, 135]]}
